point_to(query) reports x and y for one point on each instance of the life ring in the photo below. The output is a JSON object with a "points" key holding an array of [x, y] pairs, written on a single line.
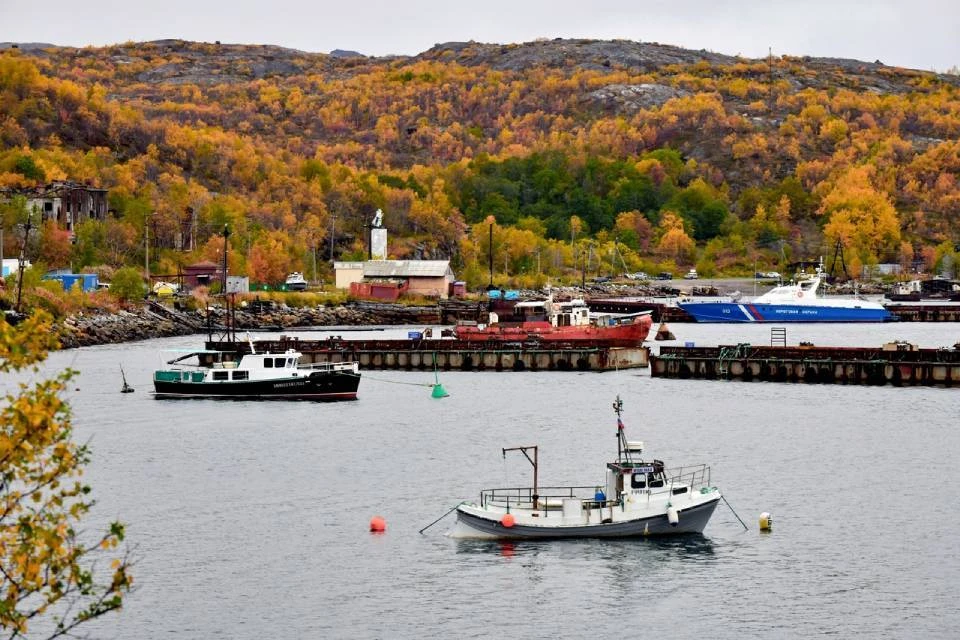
{"points": [[799, 294]]}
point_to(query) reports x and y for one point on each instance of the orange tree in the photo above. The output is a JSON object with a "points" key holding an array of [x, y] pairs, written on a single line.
{"points": [[47, 573]]}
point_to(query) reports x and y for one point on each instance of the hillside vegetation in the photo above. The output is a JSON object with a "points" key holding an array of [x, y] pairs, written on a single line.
{"points": [[591, 156]]}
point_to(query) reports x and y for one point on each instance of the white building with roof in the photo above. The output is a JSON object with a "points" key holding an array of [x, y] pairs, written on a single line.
{"points": [[420, 277]]}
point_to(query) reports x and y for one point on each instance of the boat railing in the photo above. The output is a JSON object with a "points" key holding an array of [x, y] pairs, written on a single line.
{"points": [[547, 497], [694, 476], [326, 366]]}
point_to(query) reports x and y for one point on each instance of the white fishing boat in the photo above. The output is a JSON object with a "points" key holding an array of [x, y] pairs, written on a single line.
{"points": [[637, 498], [296, 282]]}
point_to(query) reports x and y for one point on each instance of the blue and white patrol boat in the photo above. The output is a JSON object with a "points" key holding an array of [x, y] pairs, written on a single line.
{"points": [[793, 302], [639, 498]]}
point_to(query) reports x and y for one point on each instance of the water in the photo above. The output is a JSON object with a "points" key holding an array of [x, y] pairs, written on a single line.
{"points": [[250, 518]]}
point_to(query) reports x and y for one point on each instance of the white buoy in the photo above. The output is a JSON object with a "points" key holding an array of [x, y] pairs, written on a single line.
{"points": [[673, 516], [766, 521]]}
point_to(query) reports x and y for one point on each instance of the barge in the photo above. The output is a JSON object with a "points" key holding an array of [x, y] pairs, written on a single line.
{"points": [[896, 363], [419, 353]]}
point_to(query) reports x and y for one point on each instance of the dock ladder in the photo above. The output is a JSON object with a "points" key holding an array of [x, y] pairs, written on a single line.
{"points": [[778, 336]]}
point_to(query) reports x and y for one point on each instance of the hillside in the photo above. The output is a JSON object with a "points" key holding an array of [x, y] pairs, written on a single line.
{"points": [[597, 155]]}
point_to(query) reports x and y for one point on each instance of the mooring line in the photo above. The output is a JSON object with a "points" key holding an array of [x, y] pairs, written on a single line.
{"points": [[414, 384], [745, 527], [441, 517]]}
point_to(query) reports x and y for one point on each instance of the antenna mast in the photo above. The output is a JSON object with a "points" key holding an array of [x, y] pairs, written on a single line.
{"points": [[622, 450]]}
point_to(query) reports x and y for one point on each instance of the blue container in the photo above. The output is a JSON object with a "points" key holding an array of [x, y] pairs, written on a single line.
{"points": [[86, 281], [414, 335], [688, 345]]}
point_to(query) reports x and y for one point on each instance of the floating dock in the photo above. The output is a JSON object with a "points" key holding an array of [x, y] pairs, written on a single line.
{"points": [[461, 355], [899, 364]]}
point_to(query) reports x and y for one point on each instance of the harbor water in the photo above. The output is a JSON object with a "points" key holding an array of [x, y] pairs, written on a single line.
{"points": [[250, 519]]}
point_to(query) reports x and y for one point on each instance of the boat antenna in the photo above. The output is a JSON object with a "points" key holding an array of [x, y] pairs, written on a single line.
{"points": [[622, 451]]}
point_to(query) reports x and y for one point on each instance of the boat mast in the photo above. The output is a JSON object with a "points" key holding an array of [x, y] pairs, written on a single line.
{"points": [[532, 461], [622, 451]]}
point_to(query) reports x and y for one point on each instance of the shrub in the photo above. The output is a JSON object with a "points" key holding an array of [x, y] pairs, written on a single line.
{"points": [[127, 284]]}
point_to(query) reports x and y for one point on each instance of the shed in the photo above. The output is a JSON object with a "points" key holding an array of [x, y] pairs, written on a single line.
{"points": [[201, 273], [422, 277]]}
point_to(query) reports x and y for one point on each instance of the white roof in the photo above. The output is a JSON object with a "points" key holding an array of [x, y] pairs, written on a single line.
{"points": [[407, 268]]}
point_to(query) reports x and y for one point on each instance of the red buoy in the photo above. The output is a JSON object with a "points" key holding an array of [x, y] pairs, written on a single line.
{"points": [[508, 520], [378, 524]]}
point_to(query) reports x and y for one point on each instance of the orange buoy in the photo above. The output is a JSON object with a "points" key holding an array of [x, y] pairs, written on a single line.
{"points": [[378, 524], [508, 520]]}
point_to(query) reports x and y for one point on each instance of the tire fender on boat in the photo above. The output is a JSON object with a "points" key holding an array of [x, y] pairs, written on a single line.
{"points": [[673, 516]]}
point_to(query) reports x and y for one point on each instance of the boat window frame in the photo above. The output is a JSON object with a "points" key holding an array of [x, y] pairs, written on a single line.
{"points": [[220, 375]]}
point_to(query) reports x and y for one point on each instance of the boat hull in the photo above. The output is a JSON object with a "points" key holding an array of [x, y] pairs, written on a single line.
{"points": [[691, 520], [324, 386], [766, 312]]}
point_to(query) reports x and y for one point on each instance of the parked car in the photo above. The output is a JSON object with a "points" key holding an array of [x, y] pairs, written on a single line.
{"points": [[664, 275], [639, 275], [772, 274], [691, 275]]}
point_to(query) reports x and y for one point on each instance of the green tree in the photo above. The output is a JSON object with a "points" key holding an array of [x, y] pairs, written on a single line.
{"points": [[47, 570]]}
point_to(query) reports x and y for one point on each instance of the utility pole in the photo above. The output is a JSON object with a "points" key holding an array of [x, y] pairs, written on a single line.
{"points": [[146, 247], [21, 267], [223, 282], [333, 230], [490, 286]]}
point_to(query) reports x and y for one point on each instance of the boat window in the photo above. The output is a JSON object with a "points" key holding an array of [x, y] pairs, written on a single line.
{"points": [[289, 362], [268, 363], [279, 363], [241, 375], [221, 375], [638, 481], [655, 480], [186, 375]]}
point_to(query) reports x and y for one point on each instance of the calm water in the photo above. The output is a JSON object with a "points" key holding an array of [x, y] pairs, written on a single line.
{"points": [[250, 518]]}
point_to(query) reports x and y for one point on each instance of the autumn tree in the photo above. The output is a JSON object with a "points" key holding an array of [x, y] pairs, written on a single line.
{"points": [[48, 580], [674, 241], [861, 216], [55, 247]]}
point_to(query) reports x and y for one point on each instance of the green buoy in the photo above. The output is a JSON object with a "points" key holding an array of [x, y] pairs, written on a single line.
{"points": [[438, 390]]}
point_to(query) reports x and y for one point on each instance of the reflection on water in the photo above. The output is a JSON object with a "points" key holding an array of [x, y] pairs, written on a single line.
{"points": [[689, 547]]}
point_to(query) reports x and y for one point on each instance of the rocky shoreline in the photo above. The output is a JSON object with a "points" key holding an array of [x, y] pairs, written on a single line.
{"points": [[155, 320]]}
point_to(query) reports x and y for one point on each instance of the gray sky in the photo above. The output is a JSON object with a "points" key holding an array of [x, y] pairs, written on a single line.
{"points": [[920, 34]]}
